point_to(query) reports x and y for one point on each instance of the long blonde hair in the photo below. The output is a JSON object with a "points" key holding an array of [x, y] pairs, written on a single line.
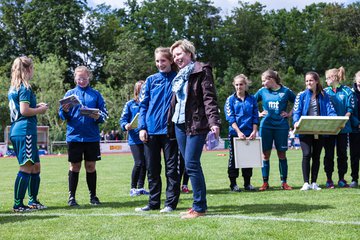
{"points": [[20, 72], [338, 73]]}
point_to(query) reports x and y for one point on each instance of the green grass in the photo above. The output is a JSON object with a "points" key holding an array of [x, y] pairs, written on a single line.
{"points": [[274, 214]]}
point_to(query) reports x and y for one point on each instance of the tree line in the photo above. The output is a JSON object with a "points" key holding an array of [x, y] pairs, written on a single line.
{"points": [[118, 45]]}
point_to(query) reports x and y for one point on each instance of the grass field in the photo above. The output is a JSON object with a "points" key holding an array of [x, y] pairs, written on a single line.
{"points": [[274, 214]]}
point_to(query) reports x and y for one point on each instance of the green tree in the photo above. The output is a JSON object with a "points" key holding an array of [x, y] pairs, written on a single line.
{"points": [[245, 35], [49, 86], [127, 64], [4, 104]]}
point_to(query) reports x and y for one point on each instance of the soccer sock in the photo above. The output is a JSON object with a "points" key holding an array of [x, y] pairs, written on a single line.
{"points": [[91, 182], [21, 184], [265, 170], [33, 186], [73, 182], [283, 168]]}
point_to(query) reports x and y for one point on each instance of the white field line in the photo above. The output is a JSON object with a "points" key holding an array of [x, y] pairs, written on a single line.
{"points": [[264, 218]]}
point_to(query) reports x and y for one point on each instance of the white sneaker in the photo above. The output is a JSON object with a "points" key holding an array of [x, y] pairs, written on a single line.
{"points": [[305, 187], [314, 186], [354, 184], [249, 188], [166, 209]]}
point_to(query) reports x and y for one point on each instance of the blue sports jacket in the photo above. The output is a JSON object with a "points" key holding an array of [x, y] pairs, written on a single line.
{"points": [[343, 101], [244, 113], [131, 108], [302, 104], [155, 101], [81, 128]]}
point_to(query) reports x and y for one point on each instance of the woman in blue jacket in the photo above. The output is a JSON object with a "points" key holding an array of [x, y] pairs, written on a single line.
{"points": [[311, 102], [155, 101], [241, 112], [82, 135], [130, 110], [342, 99]]}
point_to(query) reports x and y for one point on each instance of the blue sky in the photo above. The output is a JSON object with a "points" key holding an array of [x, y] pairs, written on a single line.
{"points": [[227, 5]]}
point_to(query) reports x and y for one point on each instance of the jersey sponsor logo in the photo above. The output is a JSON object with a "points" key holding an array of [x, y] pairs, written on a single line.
{"points": [[273, 105], [281, 95]]}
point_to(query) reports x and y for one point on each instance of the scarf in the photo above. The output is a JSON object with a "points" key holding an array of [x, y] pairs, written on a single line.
{"points": [[179, 85], [182, 77]]}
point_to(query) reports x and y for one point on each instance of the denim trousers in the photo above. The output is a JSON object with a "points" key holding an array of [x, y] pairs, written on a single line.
{"points": [[191, 147]]}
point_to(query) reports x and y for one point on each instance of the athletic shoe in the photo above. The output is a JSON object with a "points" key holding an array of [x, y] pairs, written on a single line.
{"points": [[187, 212], [285, 186], [192, 214], [185, 189], [166, 209], [22, 208], [249, 188], [134, 192], [72, 202], [264, 187], [95, 201], [354, 184], [343, 184], [142, 191], [330, 184], [235, 188], [36, 205], [314, 186], [305, 187], [143, 209]]}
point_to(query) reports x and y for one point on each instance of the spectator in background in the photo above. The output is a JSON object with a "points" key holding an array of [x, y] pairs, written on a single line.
{"points": [[130, 110], [23, 133], [83, 135], [292, 138], [112, 135]]}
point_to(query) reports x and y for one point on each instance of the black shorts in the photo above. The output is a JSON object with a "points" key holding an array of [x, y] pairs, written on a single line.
{"points": [[89, 151]]}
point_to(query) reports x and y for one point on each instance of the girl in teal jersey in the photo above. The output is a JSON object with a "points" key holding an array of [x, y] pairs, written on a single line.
{"points": [[274, 126], [23, 133], [343, 100]]}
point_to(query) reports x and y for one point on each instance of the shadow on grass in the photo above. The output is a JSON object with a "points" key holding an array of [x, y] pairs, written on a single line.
{"points": [[272, 209], [228, 191], [84, 206], [18, 217]]}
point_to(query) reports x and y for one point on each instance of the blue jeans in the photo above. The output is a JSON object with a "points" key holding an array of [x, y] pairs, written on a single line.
{"points": [[191, 148]]}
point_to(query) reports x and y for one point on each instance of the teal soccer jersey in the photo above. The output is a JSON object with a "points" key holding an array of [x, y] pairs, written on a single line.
{"points": [[21, 125], [275, 102]]}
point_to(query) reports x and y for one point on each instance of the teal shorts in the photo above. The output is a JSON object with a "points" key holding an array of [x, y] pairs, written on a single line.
{"points": [[26, 149], [277, 136]]}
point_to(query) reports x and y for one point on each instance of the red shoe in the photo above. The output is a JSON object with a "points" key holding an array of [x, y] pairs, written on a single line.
{"points": [[285, 186], [264, 187], [185, 189]]}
